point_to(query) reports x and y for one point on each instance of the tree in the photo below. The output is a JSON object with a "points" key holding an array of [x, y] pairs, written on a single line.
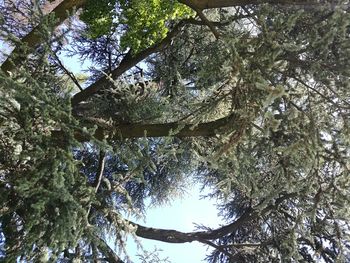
{"points": [[250, 99]]}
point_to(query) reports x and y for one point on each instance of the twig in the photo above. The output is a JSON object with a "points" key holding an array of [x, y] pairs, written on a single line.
{"points": [[219, 248], [69, 73], [99, 174], [101, 167]]}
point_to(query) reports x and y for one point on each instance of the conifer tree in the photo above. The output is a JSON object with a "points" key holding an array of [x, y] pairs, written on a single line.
{"points": [[247, 98]]}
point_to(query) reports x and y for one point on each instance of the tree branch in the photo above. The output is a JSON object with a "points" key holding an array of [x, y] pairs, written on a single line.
{"points": [[68, 73], [100, 169], [174, 236], [219, 248], [61, 12], [209, 4], [99, 175], [138, 130], [208, 23], [127, 63], [106, 250]]}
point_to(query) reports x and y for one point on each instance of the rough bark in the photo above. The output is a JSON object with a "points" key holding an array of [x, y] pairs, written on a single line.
{"points": [[174, 236], [159, 130], [61, 12]]}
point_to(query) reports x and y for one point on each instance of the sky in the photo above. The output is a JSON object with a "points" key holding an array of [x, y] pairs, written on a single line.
{"points": [[180, 215]]}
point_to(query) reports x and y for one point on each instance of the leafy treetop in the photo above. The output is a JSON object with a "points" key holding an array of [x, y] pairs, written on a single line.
{"points": [[144, 23]]}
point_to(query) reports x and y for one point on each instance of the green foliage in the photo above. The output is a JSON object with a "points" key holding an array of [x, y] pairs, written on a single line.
{"points": [[284, 165], [133, 103], [98, 15], [144, 22], [43, 192], [278, 167]]}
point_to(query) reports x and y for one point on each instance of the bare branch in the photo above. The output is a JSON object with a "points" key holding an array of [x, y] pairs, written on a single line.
{"points": [[99, 175], [219, 248], [69, 73], [100, 169]]}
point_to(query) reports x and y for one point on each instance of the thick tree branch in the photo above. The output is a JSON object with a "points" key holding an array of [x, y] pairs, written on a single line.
{"points": [[174, 236], [61, 12], [138, 130], [194, 21], [208, 4], [127, 63]]}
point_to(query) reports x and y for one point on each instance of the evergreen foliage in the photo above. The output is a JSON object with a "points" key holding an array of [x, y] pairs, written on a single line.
{"points": [[260, 116], [44, 195]]}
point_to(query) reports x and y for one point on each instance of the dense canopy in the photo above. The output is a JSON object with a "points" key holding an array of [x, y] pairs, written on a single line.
{"points": [[247, 99]]}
